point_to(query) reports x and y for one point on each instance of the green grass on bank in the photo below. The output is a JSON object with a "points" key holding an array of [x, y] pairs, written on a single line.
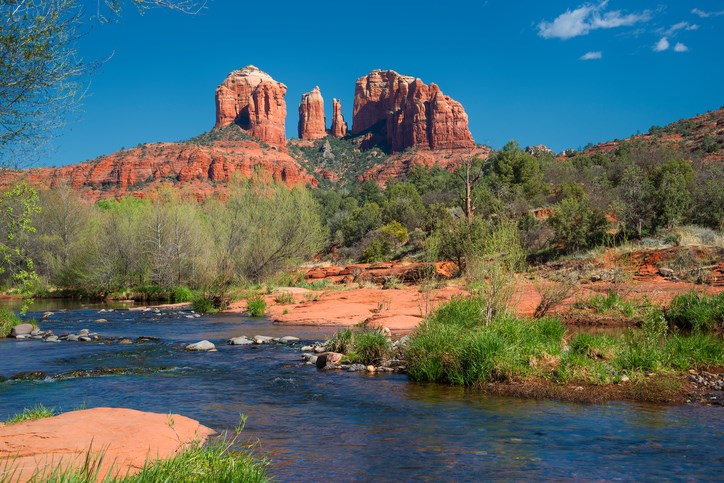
{"points": [[452, 347], [29, 414]]}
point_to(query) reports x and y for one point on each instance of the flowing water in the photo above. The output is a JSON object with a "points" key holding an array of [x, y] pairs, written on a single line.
{"points": [[351, 426]]}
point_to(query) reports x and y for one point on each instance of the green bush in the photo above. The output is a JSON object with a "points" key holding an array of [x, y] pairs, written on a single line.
{"points": [[181, 294], [8, 320], [204, 305], [372, 347], [256, 306], [696, 311]]}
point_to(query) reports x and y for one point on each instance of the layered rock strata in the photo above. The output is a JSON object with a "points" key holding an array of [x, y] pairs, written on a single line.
{"points": [[312, 123], [339, 126]]}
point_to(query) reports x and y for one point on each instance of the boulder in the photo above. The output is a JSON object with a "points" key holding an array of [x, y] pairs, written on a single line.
{"points": [[312, 123], [288, 339], [203, 345], [21, 329], [51, 338], [328, 359], [263, 339]]}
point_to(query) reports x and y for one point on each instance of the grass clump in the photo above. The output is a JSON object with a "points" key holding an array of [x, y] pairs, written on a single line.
{"points": [[182, 294], [284, 298], [29, 414], [204, 305], [611, 303], [256, 305], [372, 347], [8, 320], [453, 346], [342, 342], [696, 311]]}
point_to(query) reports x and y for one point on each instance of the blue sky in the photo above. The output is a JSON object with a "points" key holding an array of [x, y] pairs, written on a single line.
{"points": [[560, 73]]}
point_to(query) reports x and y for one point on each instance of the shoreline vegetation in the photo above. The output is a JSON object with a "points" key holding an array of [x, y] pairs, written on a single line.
{"points": [[198, 455]]}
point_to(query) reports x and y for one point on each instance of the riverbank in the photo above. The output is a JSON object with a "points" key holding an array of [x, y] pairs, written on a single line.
{"points": [[120, 441]]}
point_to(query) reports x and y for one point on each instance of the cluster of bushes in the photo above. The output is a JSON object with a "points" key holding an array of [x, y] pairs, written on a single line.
{"points": [[166, 246], [455, 346]]}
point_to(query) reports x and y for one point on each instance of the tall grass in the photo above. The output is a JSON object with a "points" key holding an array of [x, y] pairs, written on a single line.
{"points": [[256, 305], [372, 347], [342, 341], [447, 348], [8, 320], [696, 311]]}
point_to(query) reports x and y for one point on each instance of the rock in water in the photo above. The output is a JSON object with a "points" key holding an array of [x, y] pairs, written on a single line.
{"points": [[203, 345], [409, 113], [240, 341], [253, 100], [288, 339], [312, 123], [22, 329], [339, 126]]}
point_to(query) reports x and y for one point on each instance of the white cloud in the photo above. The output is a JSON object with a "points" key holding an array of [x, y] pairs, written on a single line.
{"points": [[588, 17], [703, 14], [679, 47], [591, 56], [661, 45], [681, 26]]}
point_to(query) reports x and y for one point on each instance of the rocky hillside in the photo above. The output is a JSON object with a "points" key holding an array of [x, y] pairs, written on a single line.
{"points": [[701, 136]]}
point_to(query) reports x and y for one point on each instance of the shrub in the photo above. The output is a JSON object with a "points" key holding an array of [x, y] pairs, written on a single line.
{"points": [[372, 347], [181, 294], [8, 320], [284, 298], [696, 311], [204, 305], [256, 305], [342, 341], [36, 412]]}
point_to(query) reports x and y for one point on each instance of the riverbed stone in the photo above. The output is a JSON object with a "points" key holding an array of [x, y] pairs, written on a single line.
{"points": [[125, 341], [307, 348], [263, 339], [21, 329], [203, 345], [356, 367], [51, 338], [84, 338], [100, 321], [240, 341], [46, 315], [36, 332], [72, 337], [84, 332], [328, 359], [288, 339], [371, 368]]}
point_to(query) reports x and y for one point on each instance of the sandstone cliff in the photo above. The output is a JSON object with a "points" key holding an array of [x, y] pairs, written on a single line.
{"points": [[253, 100], [312, 123], [339, 126], [202, 166], [406, 112]]}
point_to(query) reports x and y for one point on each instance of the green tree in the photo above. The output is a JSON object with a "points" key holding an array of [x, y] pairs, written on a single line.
{"points": [[575, 224]]}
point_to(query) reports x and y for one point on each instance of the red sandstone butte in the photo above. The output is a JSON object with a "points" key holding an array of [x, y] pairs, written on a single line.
{"points": [[125, 438], [254, 101], [312, 123], [339, 126], [409, 113]]}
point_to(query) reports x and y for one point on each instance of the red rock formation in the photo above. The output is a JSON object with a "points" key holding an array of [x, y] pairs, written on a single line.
{"points": [[409, 113], [312, 123], [202, 170], [254, 101], [339, 126]]}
